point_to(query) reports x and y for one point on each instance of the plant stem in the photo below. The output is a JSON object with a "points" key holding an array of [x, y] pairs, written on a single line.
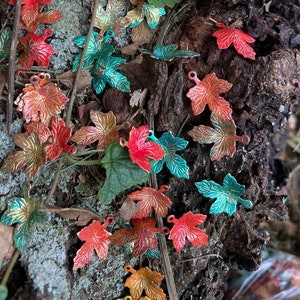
{"points": [[10, 267], [72, 100], [12, 65], [74, 90]]}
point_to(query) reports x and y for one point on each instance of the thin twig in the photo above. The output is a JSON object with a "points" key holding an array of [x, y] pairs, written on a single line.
{"points": [[74, 90], [10, 267], [72, 100], [12, 64], [201, 257]]}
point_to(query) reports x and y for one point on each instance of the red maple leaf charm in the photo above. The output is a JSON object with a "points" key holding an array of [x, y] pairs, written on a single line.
{"points": [[95, 237], [142, 234], [151, 198], [41, 102], [56, 139], [32, 16], [207, 92], [228, 35], [140, 150], [185, 227], [35, 49]]}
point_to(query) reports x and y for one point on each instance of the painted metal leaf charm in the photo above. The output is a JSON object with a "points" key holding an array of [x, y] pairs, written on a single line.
{"points": [[139, 150], [150, 12], [145, 280], [104, 131], [161, 3], [143, 234], [174, 162], [223, 135], [207, 92], [31, 158], [96, 238], [151, 198], [5, 40], [169, 52], [185, 227], [23, 212], [35, 49], [110, 17], [41, 100], [228, 35], [227, 195]]}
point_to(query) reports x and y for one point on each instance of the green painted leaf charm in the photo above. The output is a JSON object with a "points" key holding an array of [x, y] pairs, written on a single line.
{"points": [[160, 3], [169, 52], [5, 39], [3, 292], [174, 162], [121, 173], [150, 12], [23, 212], [227, 195]]}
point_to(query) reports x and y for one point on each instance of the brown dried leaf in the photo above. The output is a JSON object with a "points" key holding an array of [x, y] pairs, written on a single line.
{"points": [[81, 216], [128, 209], [68, 79], [84, 110], [6, 241]]}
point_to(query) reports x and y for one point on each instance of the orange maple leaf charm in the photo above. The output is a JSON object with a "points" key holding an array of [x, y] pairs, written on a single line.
{"points": [[41, 102], [95, 237], [149, 198], [207, 92], [31, 158], [146, 280], [104, 131]]}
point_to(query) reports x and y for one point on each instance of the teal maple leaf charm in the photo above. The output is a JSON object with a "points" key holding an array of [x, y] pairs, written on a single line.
{"points": [[23, 212], [169, 52], [160, 3], [227, 195], [174, 162], [5, 38], [150, 12], [97, 48]]}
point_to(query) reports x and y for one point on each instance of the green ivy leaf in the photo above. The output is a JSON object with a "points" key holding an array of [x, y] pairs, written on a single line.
{"points": [[174, 162], [23, 212], [121, 173], [5, 38], [160, 3], [169, 52], [227, 195], [3, 292]]}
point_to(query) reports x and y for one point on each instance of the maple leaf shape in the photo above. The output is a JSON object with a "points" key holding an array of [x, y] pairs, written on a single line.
{"points": [[35, 49], [95, 237], [150, 12], [23, 212], [109, 18], [207, 92], [151, 198], [5, 41], [227, 195], [139, 149], [223, 135], [32, 16], [142, 234], [58, 137], [174, 162], [97, 49], [227, 35], [160, 3], [31, 2], [105, 131], [185, 227], [146, 280], [41, 103], [32, 158]]}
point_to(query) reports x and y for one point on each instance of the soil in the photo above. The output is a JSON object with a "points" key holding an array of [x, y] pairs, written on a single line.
{"points": [[263, 97]]}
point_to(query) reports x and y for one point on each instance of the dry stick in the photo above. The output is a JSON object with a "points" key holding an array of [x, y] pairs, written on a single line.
{"points": [[12, 65], [72, 100], [10, 267]]}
